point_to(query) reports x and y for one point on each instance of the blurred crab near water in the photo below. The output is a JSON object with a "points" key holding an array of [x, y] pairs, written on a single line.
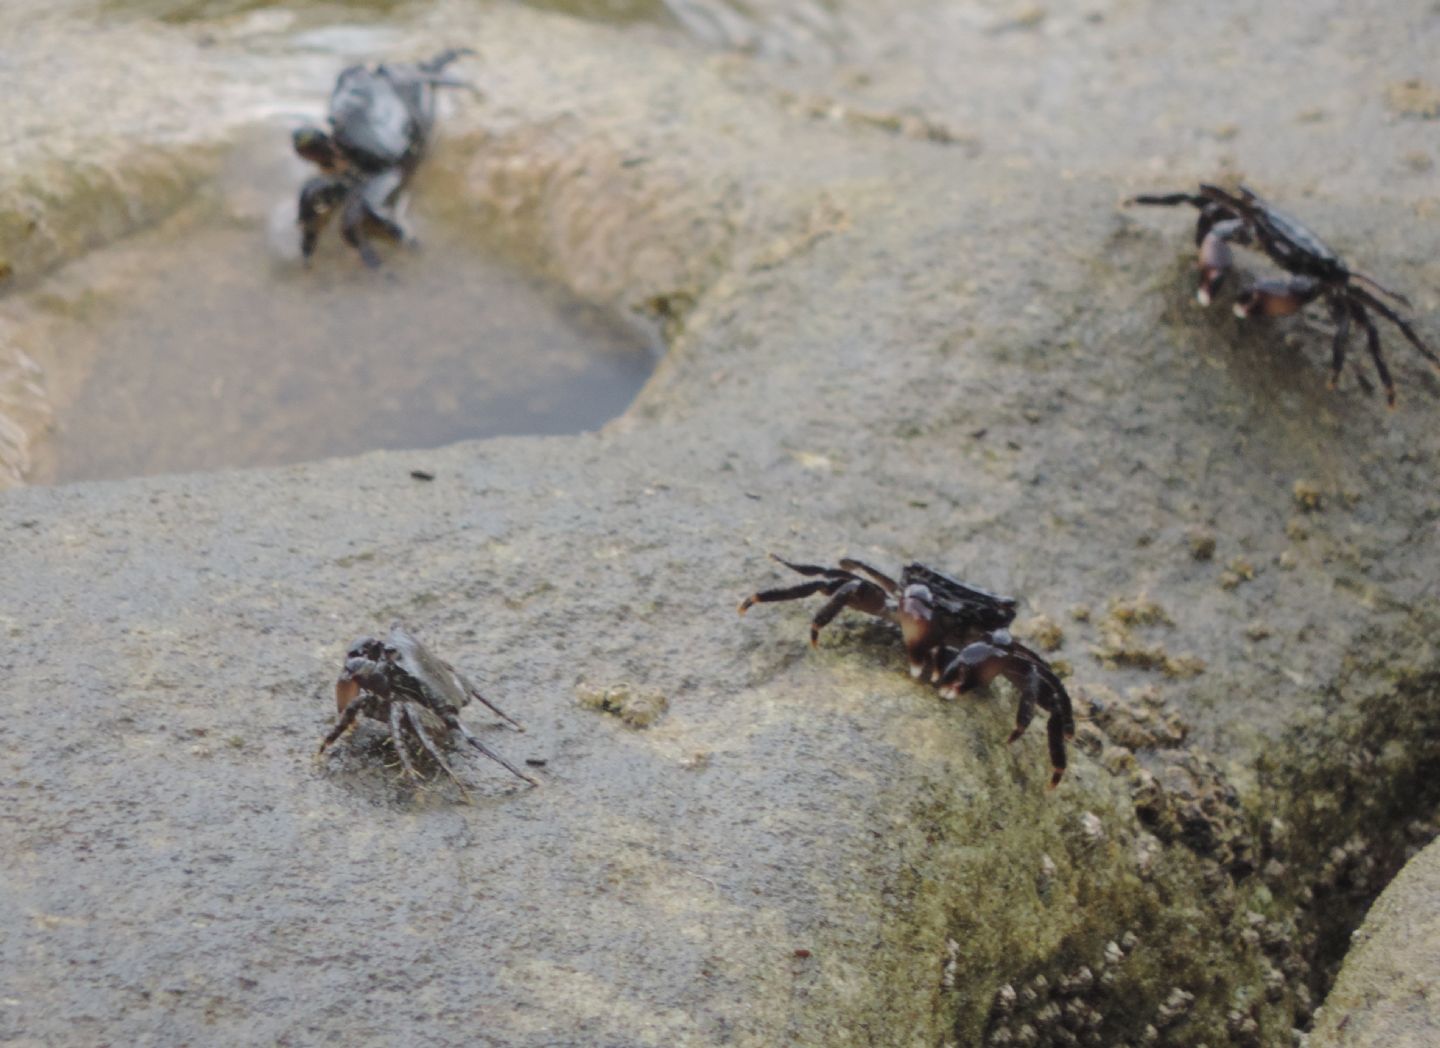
{"points": [[380, 124]]}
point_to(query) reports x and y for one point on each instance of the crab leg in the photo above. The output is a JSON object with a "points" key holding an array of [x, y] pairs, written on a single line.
{"points": [[1382, 288], [888, 584], [1168, 200], [318, 200], [417, 723], [812, 569], [1395, 318], [925, 657], [454, 723], [805, 589], [1056, 733], [1025, 713], [1372, 342], [352, 222], [444, 58], [474, 692], [366, 203], [347, 718], [1341, 312], [397, 737], [856, 593]]}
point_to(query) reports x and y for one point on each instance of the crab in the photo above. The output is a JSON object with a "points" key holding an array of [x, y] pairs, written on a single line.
{"points": [[955, 635], [380, 124], [400, 682], [1316, 271], [931, 608]]}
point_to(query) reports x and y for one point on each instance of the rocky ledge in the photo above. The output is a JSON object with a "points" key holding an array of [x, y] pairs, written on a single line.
{"points": [[906, 319]]}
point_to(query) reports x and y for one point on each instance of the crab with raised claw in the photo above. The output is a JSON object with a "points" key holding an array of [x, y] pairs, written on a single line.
{"points": [[932, 609], [955, 635], [400, 682], [1316, 271], [380, 124]]}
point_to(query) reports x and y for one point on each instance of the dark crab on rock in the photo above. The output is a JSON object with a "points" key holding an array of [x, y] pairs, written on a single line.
{"points": [[380, 124], [955, 635], [1316, 271], [401, 683]]}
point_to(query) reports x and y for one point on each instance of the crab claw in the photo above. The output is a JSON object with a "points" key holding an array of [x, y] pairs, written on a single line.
{"points": [[317, 147], [1275, 298], [1216, 259], [360, 674], [346, 689]]}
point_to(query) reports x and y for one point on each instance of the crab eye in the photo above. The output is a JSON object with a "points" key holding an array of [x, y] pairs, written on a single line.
{"points": [[920, 594], [364, 648]]}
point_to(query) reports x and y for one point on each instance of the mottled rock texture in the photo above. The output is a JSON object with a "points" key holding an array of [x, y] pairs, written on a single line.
{"points": [[1385, 993], [906, 318]]}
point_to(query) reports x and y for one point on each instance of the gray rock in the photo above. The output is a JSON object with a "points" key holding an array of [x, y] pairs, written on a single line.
{"points": [[1386, 988], [906, 319]]}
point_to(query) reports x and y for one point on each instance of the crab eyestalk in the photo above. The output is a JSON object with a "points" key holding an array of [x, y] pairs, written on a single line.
{"points": [[316, 146]]}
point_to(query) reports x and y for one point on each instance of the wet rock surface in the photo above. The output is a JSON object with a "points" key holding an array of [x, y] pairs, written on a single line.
{"points": [[884, 342], [1385, 991]]}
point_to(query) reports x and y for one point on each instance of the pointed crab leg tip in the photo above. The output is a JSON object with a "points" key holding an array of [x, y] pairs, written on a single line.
{"points": [[815, 640], [745, 605]]}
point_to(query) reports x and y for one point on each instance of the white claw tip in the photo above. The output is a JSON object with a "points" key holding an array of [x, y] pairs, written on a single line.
{"points": [[1241, 311], [1203, 297], [916, 669], [949, 693]]}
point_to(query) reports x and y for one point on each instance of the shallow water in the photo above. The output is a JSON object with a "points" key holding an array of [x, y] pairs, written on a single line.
{"points": [[212, 346]]}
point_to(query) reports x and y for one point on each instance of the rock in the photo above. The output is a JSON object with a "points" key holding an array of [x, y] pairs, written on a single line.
{"points": [[1387, 987], [880, 344]]}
